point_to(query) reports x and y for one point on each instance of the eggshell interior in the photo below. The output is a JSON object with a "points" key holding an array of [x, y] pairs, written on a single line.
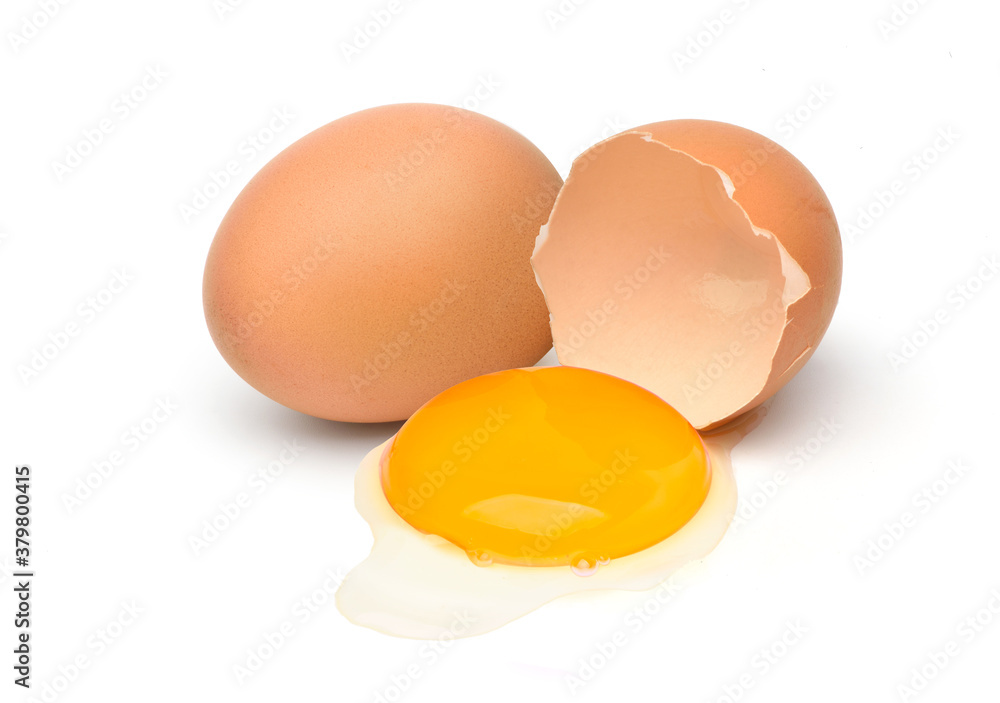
{"points": [[666, 264]]}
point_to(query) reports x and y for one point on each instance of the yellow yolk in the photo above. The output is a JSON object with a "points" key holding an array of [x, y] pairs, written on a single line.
{"points": [[545, 467]]}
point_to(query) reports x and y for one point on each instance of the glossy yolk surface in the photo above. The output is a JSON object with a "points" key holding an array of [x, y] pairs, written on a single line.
{"points": [[547, 466]]}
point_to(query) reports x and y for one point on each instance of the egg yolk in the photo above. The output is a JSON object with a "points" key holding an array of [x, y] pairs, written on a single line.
{"points": [[545, 467]]}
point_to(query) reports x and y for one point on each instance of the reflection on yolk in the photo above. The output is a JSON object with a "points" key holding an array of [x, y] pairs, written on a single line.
{"points": [[545, 467]]}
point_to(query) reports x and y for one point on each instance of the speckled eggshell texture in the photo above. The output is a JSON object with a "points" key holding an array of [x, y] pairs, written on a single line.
{"points": [[381, 259]]}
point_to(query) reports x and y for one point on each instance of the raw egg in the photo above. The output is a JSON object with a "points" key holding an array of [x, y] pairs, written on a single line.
{"points": [[514, 488], [554, 466]]}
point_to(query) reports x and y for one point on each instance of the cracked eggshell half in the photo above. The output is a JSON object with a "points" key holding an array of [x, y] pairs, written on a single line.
{"points": [[697, 259]]}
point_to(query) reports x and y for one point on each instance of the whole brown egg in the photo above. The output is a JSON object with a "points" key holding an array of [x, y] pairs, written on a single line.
{"points": [[381, 259]]}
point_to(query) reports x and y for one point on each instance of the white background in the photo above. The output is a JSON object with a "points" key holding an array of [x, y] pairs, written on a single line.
{"points": [[565, 81]]}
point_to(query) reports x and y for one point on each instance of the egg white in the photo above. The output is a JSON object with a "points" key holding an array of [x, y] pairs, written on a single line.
{"points": [[423, 587]]}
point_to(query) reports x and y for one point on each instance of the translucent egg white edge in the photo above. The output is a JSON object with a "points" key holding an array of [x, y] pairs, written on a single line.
{"points": [[533, 586]]}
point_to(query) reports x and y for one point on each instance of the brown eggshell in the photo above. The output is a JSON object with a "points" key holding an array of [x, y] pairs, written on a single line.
{"points": [[744, 233], [381, 259]]}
